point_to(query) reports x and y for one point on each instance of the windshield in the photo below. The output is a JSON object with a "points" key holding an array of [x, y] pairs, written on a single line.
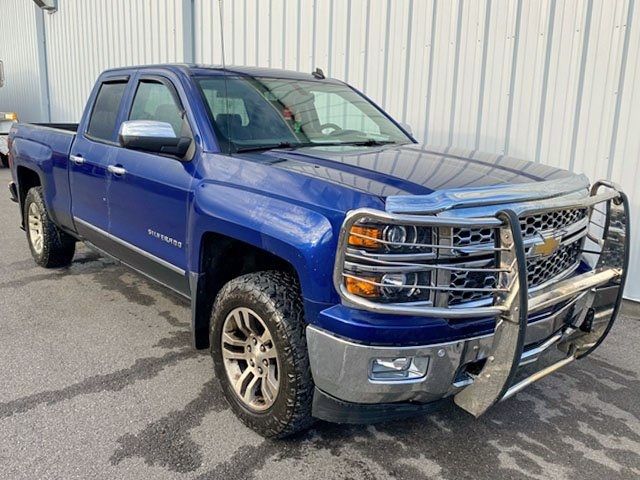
{"points": [[253, 113]]}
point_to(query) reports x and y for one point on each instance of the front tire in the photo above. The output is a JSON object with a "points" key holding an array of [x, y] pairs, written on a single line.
{"points": [[50, 246], [4, 161], [259, 350]]}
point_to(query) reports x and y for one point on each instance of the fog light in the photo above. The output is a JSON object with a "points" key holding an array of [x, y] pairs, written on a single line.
{"points": [[399, 368]]}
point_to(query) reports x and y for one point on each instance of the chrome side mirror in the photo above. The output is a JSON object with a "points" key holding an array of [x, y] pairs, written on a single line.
{"points": [[152, 136]]}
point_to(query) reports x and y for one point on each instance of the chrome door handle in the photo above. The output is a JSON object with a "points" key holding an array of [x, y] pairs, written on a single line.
{"points": [[116, 170], [77, 159]]}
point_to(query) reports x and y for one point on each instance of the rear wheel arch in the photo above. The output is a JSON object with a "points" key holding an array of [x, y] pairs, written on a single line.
{"points": [[27, 179]]}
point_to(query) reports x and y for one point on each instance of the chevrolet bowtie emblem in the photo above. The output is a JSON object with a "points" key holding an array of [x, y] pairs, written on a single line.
{"points": [[546, 248]]}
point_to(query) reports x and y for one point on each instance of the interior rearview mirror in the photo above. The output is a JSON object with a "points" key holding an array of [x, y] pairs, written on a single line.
{"points": [[152, 136]]}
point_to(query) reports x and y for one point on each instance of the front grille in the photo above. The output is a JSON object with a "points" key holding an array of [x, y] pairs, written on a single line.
{"points": [[539, 269], [464, 279], [530, 225], [554, 220]]}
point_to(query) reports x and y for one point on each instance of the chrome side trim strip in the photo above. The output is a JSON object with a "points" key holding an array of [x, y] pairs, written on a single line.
{"points": [[128, 245]]}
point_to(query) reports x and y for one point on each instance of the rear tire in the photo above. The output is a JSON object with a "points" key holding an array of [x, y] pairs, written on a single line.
{"points": [[50, 246], [4, 161], [272, 304]]}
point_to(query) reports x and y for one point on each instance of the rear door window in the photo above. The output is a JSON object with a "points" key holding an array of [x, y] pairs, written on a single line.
{"points": [[102, 124]]}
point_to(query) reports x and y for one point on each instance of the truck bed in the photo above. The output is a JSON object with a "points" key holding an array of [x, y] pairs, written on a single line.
{"points": [[70, 127]]}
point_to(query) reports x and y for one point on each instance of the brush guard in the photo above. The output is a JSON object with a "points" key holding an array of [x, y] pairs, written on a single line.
{"points": [[599, 292]]}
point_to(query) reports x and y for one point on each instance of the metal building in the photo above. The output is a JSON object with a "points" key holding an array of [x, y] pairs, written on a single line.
{"points": [[554, 81]]}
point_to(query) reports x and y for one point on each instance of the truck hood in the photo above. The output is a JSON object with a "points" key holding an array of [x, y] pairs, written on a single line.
{"points": [[409, 169]]}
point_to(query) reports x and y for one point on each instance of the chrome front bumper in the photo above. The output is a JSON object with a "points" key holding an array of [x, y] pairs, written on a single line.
{"points": [[585, 307]]}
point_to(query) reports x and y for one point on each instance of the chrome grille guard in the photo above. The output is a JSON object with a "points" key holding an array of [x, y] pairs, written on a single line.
{"points": [[513, 303]]}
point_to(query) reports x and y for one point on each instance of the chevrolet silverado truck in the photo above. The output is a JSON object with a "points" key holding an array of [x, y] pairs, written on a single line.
{"points": [[336, 268]]}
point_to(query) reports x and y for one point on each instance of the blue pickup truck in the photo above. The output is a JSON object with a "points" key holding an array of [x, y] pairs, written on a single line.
{"points": [[336, 268]]}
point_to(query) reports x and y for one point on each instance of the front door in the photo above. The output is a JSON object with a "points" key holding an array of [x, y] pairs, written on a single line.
{"points": [[149, 197]]}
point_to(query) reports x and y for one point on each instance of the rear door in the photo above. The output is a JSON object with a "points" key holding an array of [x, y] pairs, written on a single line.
{"points": [[149, 199], [93, 151]]}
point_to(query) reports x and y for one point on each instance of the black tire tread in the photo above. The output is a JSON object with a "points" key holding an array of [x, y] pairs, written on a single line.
{"points": [[282, 290], [58, 247]]}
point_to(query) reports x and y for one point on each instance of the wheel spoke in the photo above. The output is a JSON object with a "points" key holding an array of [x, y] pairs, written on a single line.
{"points": [[270, 354], [250, 393], [243, 322], [229, 339], [269, 387], [234, 355], [239, 385], [250, 358]]}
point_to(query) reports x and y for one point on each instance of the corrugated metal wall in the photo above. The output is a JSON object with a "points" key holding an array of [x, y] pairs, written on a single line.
{"points": [[555, 81], [19, 53], [86, 37]]}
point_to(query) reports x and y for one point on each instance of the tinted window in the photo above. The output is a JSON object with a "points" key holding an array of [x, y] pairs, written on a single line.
{"points": [[154, 101], [250, 112], [102, 123], [333, 109]]}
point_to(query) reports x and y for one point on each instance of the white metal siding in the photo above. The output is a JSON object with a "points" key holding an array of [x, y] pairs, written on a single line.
{"points": [[19, 53], [554, 81], [86, 37]]}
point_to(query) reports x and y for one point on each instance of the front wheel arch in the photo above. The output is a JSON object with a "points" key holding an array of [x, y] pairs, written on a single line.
{"points": [[223, 258]]}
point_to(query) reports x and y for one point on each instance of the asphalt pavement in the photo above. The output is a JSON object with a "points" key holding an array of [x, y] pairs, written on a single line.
{"points": [[98, 380]]}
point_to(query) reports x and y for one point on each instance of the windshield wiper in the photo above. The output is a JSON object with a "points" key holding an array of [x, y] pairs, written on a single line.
{"points": [[370, 142], [257, 148], [292, 146]]}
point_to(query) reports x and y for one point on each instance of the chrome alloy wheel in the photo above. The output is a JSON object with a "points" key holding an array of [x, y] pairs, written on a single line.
{"points": [[35, 228], [250, 359]]}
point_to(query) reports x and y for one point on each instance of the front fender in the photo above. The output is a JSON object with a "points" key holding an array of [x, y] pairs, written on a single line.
{"points": [[303, 237]]}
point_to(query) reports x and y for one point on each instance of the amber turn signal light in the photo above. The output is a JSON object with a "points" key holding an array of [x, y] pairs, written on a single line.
{"points": [[361, 287], [360, 236]]}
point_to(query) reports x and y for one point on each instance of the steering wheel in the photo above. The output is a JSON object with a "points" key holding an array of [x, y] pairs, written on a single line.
{"points": [[334, 128]]}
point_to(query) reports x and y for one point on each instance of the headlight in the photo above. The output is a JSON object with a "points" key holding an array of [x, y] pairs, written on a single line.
{"points": [[12, 116], [375, 245], [390, 238], [419, 261]]}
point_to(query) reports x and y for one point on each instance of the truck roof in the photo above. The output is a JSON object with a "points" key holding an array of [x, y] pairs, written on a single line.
{"points": [[204, 69]]}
